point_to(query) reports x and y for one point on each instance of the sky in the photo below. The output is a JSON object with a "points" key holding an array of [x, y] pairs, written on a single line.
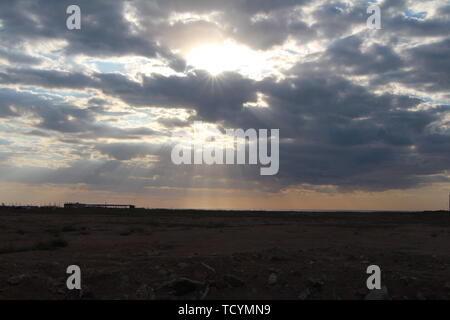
{"points": [[90, 115]]}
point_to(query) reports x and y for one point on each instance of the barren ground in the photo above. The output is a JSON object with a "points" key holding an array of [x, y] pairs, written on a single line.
{"points": [[163, 254]]}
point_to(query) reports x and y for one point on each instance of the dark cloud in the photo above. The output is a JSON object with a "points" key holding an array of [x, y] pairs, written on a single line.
{"points": [[339, 123], [18, 57], [173, 122], [428, 68], [213, 101], [406, 26], [126, 151], [234, 20], [334, 19], [272, 29], [46, 78], [105, 29], [38, 133], [54, 114], [352, 138], [347, 55]]}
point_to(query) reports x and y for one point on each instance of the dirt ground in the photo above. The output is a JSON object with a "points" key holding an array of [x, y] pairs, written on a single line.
{"points": [[164, 254]]}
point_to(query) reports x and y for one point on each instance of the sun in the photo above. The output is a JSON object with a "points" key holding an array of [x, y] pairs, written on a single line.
{"points": [[220, 57]]}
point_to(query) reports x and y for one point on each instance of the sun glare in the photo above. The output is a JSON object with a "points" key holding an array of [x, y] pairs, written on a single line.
{"points": [[221, 57]]}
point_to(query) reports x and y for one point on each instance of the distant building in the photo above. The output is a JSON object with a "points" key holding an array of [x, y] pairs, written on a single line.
{"points": [[21, 207], [77, 205]]}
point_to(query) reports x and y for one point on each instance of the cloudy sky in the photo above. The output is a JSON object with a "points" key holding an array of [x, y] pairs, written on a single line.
{"points": [[89, 115]]}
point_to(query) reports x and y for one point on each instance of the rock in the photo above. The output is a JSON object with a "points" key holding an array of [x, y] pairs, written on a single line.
{"points": [[304, 294], [273, 279], [257, 256], [296, 273], [144, 292], [408, 280], [351, 257], [361, 293], [51, 284], [15, 280], [124, 281], [236, 257], [420, 296], [233, 281], [378, 294], [277, 254], [183, 265], [208, 267], [163, 272], [315, 283], [219, 284], [182, 286], [205, 293], [86, 293]]}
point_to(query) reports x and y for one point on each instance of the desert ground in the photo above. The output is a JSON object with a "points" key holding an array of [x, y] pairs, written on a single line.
{"points": [[175, 254]]}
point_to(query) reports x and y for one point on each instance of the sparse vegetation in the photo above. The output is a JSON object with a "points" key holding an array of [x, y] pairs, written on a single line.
{"points": [[52, 244], [132, 230], [53, 231], [69, 228], [13, 249]]}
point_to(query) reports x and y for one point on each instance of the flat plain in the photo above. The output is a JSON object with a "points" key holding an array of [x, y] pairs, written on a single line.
{"points": [[189, 254]]}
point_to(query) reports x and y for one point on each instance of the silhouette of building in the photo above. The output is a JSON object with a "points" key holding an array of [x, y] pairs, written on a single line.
{"points": [[77, 205]]}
